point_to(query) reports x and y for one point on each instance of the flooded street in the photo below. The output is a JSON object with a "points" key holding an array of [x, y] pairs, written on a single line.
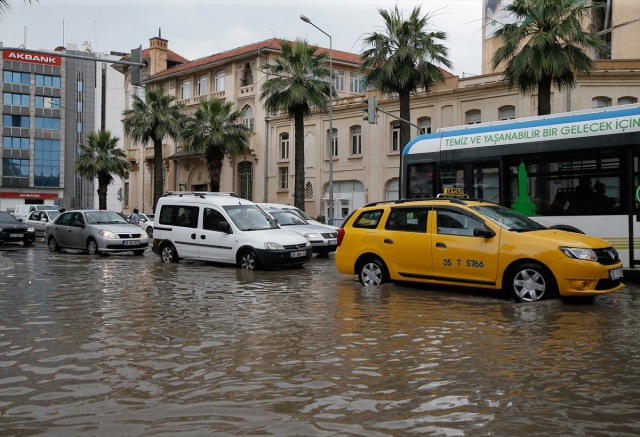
{"points": [[126, 345]]}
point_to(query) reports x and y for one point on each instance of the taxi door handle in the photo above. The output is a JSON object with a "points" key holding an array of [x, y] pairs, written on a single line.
{"points": [[388, 241], [439, 244]]}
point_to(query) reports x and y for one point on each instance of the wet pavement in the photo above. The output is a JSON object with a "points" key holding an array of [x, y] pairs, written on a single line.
{"points": [[124, 345]]}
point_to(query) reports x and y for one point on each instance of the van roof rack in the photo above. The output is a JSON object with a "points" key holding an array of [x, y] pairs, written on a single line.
{"points": [[200, 194]]}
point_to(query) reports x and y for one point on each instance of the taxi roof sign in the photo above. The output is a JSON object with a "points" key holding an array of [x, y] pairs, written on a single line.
{"points": [[453, 192]]}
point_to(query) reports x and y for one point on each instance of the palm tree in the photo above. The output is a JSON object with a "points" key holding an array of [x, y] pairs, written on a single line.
{"points": [[152, 119], [101, 158], [403, 58], [545, 46], [4, 5], [214, 131], [297, 87]]}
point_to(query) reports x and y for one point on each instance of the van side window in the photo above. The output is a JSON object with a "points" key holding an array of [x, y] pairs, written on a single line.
{"points": [[179, 215], [212, 219]]}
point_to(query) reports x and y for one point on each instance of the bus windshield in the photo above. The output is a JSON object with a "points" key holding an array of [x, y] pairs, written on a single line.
{"points": [[508, 219]]}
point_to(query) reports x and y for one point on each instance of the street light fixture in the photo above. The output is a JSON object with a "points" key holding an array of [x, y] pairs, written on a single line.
{"points": [[307, 20]]}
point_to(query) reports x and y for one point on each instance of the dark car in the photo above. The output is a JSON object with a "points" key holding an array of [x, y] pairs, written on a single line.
{"points": [[13, 230]]}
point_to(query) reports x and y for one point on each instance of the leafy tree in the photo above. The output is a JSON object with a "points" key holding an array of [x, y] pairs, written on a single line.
{"points": [[545, 46], [101, 158], [403, 58], [297, 86], [214, 131], [152, 119], [4, 5]]}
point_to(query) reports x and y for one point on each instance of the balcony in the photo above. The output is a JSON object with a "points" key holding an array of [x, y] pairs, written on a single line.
{"points": [[248, 90], [195, 100]]}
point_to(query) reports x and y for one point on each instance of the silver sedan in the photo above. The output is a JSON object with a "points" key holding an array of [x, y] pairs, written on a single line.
{"points": [[40, 219], [323, 238], [95, 231]]}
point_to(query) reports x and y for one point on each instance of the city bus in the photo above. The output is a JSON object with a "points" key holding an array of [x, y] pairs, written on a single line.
{"points": [[576, 170]]}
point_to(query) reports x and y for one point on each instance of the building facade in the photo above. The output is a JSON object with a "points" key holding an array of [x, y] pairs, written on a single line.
{"points": [[366, 157], [50, 103]]}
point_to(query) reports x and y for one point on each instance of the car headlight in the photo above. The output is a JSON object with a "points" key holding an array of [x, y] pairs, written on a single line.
{"points": [[313, 235], [108, 234], [143, 234], [579, 253], [273, 246], [30, 229]]}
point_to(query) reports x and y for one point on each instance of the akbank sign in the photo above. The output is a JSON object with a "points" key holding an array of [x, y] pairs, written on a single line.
{"points": [[32, 58]]}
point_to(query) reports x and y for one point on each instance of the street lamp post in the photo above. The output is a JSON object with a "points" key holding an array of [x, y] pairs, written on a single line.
{"points": [[307, 20]]}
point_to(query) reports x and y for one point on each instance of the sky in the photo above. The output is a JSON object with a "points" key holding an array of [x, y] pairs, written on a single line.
{"points": [[200, 28]]}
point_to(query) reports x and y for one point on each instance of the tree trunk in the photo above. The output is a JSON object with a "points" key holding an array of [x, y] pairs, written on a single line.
{"points": [[299, 160], [102, 197], [214, 166], [157, 172], [544, 95], [405, 114]]}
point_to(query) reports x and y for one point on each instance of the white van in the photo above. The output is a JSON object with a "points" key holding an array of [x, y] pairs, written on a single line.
{"points": [[224, 228], [23, 211]]}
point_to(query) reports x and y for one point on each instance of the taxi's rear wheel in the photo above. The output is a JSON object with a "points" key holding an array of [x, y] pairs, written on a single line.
{"points": [[529, 282], [372, 271]]}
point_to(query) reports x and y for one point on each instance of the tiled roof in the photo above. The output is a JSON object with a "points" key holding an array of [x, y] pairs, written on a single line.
{"points": [[272, 44]]}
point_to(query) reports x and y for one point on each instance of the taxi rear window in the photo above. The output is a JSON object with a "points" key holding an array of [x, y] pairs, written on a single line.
{"points": [[368, 219]]}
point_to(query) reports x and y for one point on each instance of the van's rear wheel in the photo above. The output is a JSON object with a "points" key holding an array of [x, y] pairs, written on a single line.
{"points": [[248, 260], [168, 254]]}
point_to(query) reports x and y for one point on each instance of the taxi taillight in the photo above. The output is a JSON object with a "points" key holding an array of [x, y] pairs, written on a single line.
{"points": [[340, 235]]}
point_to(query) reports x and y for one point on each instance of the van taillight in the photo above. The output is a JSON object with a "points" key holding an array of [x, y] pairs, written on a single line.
{"points": [[340, 235]]}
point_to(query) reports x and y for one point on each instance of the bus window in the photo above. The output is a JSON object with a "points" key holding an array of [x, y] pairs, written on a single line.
{"points": [[421, 180], [486, 183]]}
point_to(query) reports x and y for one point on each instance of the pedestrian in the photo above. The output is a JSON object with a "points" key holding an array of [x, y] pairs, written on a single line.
{"points": [[61, 210], [321, 218], [134, 219]]}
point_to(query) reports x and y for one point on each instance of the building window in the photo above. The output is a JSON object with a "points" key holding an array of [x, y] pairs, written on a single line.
{"points": [[220, 81], [47, 163], [356, 140], [48, 102], [334, 143], [474, 117], [284, 146], [247, 75], [12, 120], [425, 125], [185, 89], [627, 100], [600, 102], [356, 82], [507, 113], [338, 79], [203, 87], [245, 180], [308, 190], [283, 178], [47, 123], [15, 167], [15, 143], [9, 76], [395, 137], [46, 80], [15, 99], [247, 117]]}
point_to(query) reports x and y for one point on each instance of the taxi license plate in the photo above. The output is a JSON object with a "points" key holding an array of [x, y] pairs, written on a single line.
{"points": [[16, 235], [132, 242], [298, 254], [332, 242], [615, 274]]}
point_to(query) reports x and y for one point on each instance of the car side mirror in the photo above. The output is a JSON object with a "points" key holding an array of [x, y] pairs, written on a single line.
{"points": [[224, 227], [77, 224], [483, 232], [44, 219]]}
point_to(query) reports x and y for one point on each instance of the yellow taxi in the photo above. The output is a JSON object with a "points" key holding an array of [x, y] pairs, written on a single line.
{"points": [[472, 243]]}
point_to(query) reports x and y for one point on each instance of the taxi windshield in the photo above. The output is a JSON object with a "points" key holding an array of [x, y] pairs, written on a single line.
{"points": [[508, 219]]}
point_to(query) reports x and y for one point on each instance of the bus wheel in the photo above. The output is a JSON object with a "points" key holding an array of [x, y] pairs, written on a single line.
{"points": [[529, 282]]}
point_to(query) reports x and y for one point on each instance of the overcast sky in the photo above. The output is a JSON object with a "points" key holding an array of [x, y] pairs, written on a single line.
{"points": [[199, 28]]}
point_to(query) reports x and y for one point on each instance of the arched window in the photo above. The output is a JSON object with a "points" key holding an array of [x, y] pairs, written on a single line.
{"points": [[600, 102], [507, 113], [185, 89], [474, 116], [247, 117], [284, 146], [425, 125], [220, 81], [627, 100], [356, 140], [202, 86]]}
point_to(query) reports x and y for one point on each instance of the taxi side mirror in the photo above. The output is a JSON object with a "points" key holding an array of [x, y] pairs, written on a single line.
{"points": [[483, 232]]}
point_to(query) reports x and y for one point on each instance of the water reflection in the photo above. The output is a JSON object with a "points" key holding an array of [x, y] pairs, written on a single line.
{"points": [[126, 345]]}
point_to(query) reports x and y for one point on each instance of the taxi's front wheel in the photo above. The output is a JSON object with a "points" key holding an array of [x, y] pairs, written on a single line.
{"points": [[372, 272], [529, 282]]}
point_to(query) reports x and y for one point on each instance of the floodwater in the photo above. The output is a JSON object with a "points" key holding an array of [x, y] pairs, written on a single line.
{"points": [[124, 345]]}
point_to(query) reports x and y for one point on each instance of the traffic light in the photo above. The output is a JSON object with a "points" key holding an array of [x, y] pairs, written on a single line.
{"points": [[371, 110], [136, 74]]}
